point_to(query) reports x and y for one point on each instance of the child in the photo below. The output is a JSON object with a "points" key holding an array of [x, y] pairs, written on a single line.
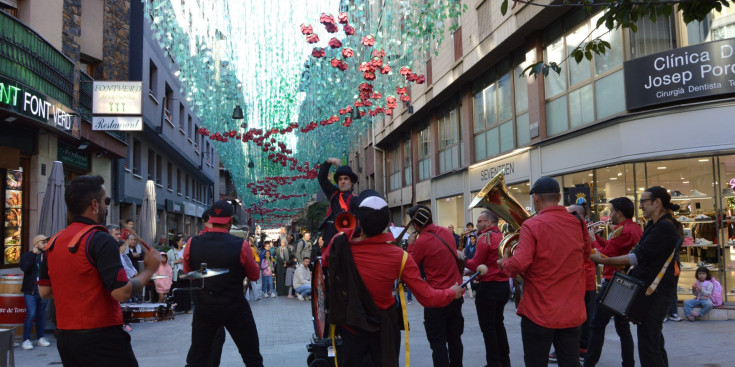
{"points": [[702, 289], [266, 265], [289, 275], [163, 285]]}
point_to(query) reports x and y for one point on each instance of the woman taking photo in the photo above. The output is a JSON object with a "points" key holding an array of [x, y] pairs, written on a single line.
{"points": [[176, 260], [661, 237]]}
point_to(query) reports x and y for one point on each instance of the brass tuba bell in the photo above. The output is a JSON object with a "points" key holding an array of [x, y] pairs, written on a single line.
{"points": [[495, 197]]}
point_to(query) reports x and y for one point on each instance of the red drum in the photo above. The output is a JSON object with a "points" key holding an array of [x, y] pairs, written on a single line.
{"points": [[141, 312]]}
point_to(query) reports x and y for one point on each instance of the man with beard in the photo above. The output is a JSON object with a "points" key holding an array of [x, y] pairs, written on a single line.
{"points": [[83, 273]]}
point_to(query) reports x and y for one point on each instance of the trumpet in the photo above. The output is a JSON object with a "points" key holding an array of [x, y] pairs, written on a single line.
{"points": [[598, 226]]}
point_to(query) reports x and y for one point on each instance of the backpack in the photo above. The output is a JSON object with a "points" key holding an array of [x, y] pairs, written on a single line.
{"points": [[716, 293]]}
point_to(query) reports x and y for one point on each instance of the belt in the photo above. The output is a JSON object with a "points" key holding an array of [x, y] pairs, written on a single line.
{"points": [[84, 331]]}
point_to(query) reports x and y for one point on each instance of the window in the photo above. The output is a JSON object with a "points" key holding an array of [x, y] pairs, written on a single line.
{"points": [[424, 158], [178, 181], [197, 140], [182, 117], [499, 96], [169, 177], [186, 183], [209, 155], [159, 170], [407, 172], [168, 105], [449, 139], [189, 131], [137, 157], [151, 164], [153, 81], [394, 167], [587, 91], [653, 37], [716, 26]]}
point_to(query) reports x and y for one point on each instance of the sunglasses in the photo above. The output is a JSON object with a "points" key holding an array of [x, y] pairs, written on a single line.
{"points": [[108, 201]]}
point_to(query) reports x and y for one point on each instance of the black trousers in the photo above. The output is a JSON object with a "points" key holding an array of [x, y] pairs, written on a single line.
{"points": [[589, 303], [237, 318], [537, 342], [651, 346], [444, 327], [600, 318], [109, 347], [490, 303], [360, 348]]}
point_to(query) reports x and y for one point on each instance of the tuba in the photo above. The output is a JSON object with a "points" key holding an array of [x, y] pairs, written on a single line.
{"points": [[495, 197]]}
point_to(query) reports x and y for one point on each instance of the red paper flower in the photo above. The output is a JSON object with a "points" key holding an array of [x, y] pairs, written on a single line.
{"points": [[378, 53], [412, 77], [401, 90], [368, 41], [366, 67], [335, 43], [405, 70], [385, 69], [369, 76], [306, 29], [342, 65], [331, 27], [326, 18], [342, 111], [376, 95], [317, 52], [348, 109], [389, 112], [334, 62], [348, 121], [421, 79], [347, 52], [367, 103], [349, 30], [390, 102], [365, 87], [373, 113], [376, 62], [312, 38], [358, 103], [405, 98], [342, 18]]}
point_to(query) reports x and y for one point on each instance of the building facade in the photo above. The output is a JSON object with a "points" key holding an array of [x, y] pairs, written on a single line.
{"points": [[653, 110]]}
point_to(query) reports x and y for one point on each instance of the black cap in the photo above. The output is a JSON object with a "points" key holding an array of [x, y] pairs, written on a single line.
{"points": [[221, 212], [545, 185], [206, 214], [345, 171]]}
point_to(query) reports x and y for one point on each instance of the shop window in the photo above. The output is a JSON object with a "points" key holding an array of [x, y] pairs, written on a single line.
{"points": [[450, 210], [449, 139], [500, 96], [727, 204], [14, 189], [394, 167], [572, 98], [137, 157], [424, 158], [407, 172]]}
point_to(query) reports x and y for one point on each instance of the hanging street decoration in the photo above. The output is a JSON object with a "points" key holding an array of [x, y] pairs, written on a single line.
{"points": [[298, 83]]}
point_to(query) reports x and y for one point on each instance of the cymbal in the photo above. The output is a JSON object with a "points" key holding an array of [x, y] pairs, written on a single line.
{"points": [[159, 276], [206, 273]]}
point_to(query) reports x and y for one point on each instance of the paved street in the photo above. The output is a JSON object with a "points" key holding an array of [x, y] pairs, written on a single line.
{"points": [[285, 329]]}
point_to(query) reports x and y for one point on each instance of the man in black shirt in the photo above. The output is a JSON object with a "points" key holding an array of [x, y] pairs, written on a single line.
{"points": [[340, 197]]}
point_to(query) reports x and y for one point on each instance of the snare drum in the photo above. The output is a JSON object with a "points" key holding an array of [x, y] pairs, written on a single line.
{"points": [[140, 312]]}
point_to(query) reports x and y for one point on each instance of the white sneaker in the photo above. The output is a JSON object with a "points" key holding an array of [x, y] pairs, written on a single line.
{"points": [[27, 345], [273, 295], [301, 298], [43, 342], [697, 194]]}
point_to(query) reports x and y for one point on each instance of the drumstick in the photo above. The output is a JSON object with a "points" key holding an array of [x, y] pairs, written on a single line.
{"points": [[481, 270], [148, 248]]}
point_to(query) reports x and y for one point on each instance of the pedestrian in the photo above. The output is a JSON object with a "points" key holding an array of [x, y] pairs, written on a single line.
{"points": [[266, 266], [30, 264], [163, 285], [303, 246], [550, 254], [283, 256], [651, 256], [220, 302], [432, 247], [86, 277]]}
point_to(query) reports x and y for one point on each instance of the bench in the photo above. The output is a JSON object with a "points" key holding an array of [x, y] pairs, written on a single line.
{"points": [[721, 313]]}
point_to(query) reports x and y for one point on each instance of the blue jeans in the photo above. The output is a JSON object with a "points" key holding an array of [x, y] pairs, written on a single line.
{"points": [[267, 284], [303, 290], [35, 309], [705, 304]]}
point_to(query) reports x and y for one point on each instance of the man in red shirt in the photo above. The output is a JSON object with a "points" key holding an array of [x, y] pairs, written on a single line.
{"points": [[87, 281], [626, 234], [362, 274], [434, 249], [493, 291], [550, 256]]}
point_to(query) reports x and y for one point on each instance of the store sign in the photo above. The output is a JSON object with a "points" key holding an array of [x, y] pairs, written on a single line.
{"points": [[174, 207], [117, 98], [118, 123], [35, 105], [74, 157], [517, 168], [697, 71]]}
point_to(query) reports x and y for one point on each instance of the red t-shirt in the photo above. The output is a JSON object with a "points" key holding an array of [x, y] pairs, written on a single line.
{"points": [[440, 266], [379, 264], [550, 255], [620, 245], [487, 253]]}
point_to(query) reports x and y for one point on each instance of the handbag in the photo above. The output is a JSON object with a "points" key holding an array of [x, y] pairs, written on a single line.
{"points": [[460, 262], [628, 297]]}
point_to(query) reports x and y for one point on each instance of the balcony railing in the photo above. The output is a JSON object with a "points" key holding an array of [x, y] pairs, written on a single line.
{"points": [[85, 96], [28, 58]]}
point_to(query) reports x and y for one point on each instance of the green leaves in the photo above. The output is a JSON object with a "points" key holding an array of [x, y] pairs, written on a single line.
{"points": [[504, 7]]}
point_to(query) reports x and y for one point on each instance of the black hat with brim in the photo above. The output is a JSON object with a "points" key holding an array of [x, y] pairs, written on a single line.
{"points": [[545, 185], [345, 171]]}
